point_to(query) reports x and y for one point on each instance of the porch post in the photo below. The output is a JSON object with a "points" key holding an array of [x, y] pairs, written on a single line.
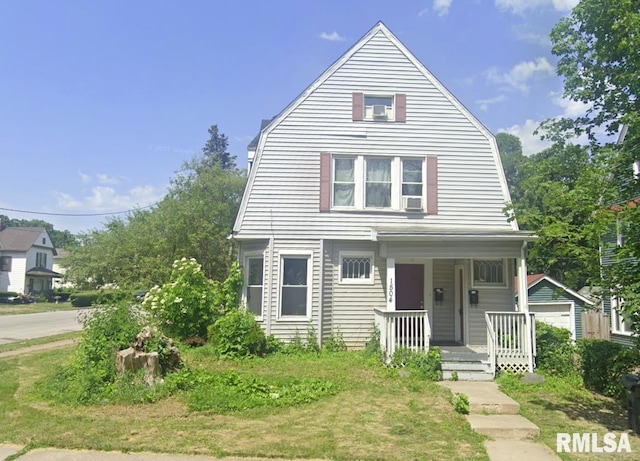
{"points": [[391, 284], [523, 302]]}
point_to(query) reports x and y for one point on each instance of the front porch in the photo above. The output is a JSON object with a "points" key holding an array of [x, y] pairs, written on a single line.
{"points": [[510, 344]]}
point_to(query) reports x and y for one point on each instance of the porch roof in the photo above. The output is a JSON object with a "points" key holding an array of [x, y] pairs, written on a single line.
{"points": [[451, 235], [42, 272]]}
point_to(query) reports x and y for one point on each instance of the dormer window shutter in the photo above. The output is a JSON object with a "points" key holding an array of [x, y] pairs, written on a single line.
{"points": [[401, 107], [357, 107], [325, 181], [432, 184]]}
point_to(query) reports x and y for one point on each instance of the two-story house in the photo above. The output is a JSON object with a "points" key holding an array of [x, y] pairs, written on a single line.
{"points": [[376, 197], [26, 260]]}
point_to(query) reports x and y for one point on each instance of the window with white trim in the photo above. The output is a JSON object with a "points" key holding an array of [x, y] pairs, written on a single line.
{"points": [[618, 324], [378, 183], [294, 289], [356, 268], [254, 267], [378, 107], [489, 272]]}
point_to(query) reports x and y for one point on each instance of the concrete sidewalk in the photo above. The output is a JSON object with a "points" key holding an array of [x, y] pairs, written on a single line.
{"points": [[496, 415], [54, 454]]}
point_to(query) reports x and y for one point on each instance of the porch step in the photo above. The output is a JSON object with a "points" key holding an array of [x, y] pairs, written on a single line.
{"points": [[467, 366], [512, 427]]}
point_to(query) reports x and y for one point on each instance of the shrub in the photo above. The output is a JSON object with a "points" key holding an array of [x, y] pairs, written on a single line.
{"points": [[84, 298], [298, 346], [556, 354], [237, 334], [187, 304], [101, 297], [604, 363], [460, 403], [427, 366], [92, 369], [335, 343]]}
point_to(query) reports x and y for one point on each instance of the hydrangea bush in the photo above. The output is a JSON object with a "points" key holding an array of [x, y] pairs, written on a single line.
{"points": [[186, 305]]}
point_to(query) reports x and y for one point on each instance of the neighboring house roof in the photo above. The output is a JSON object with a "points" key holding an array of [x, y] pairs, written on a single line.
{"points": [[534, 279], [253, 145], [42, 272], [21, 238], [61, 254]]}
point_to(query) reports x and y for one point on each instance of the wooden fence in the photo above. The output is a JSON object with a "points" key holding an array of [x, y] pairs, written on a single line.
{"points": [[595, 325]]}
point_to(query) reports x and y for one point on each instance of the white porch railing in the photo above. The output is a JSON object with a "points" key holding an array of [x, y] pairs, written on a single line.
{"points": [[403, 329], [511, 340]]}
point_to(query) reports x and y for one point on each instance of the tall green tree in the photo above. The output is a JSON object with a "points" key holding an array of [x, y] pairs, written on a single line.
{"points": [[215, 152], [597, 46], [510, 148]]}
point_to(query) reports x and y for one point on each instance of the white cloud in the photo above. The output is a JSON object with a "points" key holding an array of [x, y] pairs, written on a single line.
{"points": [[423, 11], [522, 33], [106, 179], [485, 103], [105, 199], [521, 73], [441, 7], [333, 36], [531, 144], [520, 6], [569, 107], [85, 178]]}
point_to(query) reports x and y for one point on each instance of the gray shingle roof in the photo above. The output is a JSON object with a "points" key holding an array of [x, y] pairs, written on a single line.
{"points": [[253, 145], [20, 238]]}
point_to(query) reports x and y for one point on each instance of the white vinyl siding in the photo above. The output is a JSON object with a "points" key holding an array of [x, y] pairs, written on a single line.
{"points": [[285, 179], [443, 317]]}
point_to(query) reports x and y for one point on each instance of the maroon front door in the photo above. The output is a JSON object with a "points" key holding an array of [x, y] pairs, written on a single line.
{"points": [[409, 287]]}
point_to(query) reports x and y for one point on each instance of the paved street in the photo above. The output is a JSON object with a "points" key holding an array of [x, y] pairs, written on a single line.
{"points": [[28, 326]]}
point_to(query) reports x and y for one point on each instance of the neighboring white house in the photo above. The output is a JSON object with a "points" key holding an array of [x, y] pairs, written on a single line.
{"points": [[26, 260], [377, 197], [60, 268]]}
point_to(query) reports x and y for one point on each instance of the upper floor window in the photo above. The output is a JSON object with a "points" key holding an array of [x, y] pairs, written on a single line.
{"points": [[41, 260], [489, 272], [618, 324], [378, 183], [5, 263], [378, 107]]}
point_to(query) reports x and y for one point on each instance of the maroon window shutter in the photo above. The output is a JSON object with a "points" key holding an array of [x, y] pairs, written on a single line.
{"points": [[401, 107], [357, 106], [432, 184], [325, 181]]}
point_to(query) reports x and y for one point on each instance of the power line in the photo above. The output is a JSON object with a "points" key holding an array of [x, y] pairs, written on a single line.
{"points": [[76, 215]]}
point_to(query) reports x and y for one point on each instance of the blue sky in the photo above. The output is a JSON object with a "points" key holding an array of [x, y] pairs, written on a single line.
{"points": [[101, 102]]}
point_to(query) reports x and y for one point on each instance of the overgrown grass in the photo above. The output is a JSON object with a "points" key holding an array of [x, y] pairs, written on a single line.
{"points": [[359, 410], [34, 308], [562, 404]]}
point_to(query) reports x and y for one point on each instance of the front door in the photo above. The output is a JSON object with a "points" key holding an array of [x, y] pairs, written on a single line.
{"points": [[409, 287]]}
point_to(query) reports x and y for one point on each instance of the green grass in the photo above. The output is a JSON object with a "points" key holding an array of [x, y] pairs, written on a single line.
{"points": [[564, 405], [372, 413], [34, 308], [38, 341]]}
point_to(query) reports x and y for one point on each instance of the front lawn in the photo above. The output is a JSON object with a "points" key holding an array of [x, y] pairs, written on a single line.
{"points": [[34, 308], [563, 405], [370, 413]]}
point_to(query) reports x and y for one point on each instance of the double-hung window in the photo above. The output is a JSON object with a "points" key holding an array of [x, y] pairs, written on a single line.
{"points": [[41, 260], [378, 107], [618, 324], [412, 177], [254, 283], [5, 263], [344, 184], [378, 183], [294, 291]]}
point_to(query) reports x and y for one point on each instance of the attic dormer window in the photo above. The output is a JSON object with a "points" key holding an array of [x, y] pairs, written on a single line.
{"points": [[378, 107]]}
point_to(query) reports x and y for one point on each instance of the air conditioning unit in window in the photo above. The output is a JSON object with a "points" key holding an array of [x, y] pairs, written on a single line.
{"points": [[412, 203], [379, 111]]}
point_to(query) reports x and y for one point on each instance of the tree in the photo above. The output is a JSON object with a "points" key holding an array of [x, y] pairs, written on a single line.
{"points": [[510, 148], [560, 188], [597, 46], [215, 152]]}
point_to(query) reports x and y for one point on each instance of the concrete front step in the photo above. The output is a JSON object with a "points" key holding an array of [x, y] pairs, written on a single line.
{"points": [[484, 397], [522, 450], [467, 375], [512, 427], [467, 366]]}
